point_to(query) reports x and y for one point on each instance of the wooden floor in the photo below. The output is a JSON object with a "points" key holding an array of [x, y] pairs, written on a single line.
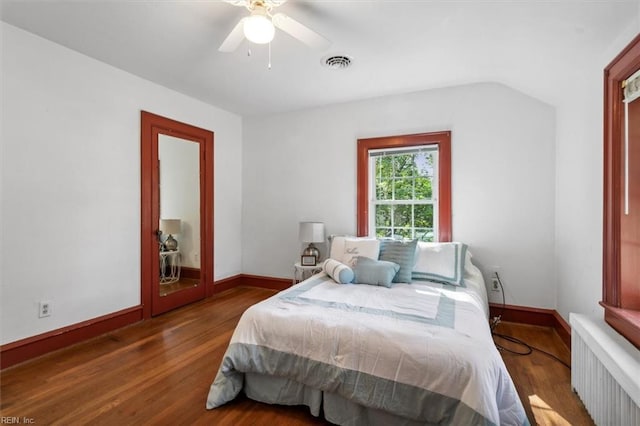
{"points": [[159, 372], [544, 384]]}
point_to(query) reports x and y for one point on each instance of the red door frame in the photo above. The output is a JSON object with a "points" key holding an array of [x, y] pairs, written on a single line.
{"points": [[153, 125]]}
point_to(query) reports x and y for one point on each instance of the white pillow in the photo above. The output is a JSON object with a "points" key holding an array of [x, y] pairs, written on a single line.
{"points": [[340, 272], [336, 250], [354, 247], [440, 262]]}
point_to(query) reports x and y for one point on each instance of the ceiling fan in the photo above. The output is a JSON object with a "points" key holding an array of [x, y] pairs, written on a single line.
{"points": [[259, 27]]}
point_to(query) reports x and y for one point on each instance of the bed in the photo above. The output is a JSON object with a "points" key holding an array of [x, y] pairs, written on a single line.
{"points": [[411, 353]]}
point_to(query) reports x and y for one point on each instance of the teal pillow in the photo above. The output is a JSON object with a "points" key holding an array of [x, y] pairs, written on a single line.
{"points": [[402, 252], [374, 272]]}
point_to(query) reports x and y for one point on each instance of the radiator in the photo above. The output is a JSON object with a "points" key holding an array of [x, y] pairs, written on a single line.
{"points": [[605, 372]]}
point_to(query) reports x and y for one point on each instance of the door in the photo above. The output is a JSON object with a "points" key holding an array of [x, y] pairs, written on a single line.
{"points": [[177, 213]]}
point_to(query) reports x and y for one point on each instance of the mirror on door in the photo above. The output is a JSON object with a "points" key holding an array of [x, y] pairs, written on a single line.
{"points": [[179, 203]]}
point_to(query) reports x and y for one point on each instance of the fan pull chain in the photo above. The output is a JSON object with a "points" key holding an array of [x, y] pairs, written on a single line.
{"points": [[269, 65]]}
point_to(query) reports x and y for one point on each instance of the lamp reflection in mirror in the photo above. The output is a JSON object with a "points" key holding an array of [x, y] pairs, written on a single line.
{"points": [[171, 227], [311, 232]]}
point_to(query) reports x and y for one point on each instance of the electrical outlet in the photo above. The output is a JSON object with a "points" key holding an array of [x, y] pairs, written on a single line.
{"points": [[495, 281], [44, 309], [495, 284]]}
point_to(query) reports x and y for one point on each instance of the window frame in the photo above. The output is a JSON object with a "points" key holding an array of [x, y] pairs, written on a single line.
{"points": [[443, 142], [625, 321]]}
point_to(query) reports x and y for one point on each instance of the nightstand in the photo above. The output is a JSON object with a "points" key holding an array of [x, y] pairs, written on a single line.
{"points": [[301, 273]]}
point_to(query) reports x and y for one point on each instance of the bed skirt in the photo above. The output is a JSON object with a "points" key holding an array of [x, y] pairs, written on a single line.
{"points": [[336, 409]]}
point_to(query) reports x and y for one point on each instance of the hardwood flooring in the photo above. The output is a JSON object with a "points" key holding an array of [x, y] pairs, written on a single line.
{"points": [[159, 372], [544, 384]]}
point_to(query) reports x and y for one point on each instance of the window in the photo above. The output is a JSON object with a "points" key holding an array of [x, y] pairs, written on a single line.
{"points": [[621, 236], [404, 186]]}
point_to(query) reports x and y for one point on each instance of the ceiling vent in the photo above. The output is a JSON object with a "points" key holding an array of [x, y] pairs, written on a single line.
{"points": [[337, 62]]}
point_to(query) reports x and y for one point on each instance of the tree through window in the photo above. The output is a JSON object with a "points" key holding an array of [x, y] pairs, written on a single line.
{"points": [[404, 191]]}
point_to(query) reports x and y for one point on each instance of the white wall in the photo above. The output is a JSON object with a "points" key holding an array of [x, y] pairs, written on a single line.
{"points": [[579, 186], [71, 183], [503, 164]]}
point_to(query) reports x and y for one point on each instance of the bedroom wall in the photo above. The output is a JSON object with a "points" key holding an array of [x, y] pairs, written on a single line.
{"points": [[301, 166], [71, 183], [579, 186]]}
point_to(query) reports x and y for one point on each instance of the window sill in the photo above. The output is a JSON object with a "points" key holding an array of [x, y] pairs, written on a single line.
{"points": [[624, 321]]}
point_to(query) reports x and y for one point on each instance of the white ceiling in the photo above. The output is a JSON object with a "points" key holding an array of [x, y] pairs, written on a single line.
{"points": [[397, 46]]}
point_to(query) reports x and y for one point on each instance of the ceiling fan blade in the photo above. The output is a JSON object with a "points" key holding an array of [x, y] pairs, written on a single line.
{"points": [[299, 31], [235, 37]]}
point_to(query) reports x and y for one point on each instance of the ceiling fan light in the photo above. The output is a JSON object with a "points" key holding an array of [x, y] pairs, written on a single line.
{"points": [[259, 29]]}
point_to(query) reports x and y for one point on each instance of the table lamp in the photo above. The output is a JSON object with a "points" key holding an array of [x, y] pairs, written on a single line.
{"points": [[170, 226], [312, 232]]}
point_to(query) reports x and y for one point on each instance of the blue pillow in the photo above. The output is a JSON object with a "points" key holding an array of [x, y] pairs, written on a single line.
{"points": [[340, 272], [374, 272], [401, 252]]}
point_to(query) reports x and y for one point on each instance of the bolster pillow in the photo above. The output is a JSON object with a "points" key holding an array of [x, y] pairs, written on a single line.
{"points": [[340, 272]]}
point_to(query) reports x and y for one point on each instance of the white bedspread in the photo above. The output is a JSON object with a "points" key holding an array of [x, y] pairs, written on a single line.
{"points": [[422, 350]]}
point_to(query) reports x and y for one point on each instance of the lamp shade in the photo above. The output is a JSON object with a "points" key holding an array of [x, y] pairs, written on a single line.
{"points": [[312, 232], [170, 226]]}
